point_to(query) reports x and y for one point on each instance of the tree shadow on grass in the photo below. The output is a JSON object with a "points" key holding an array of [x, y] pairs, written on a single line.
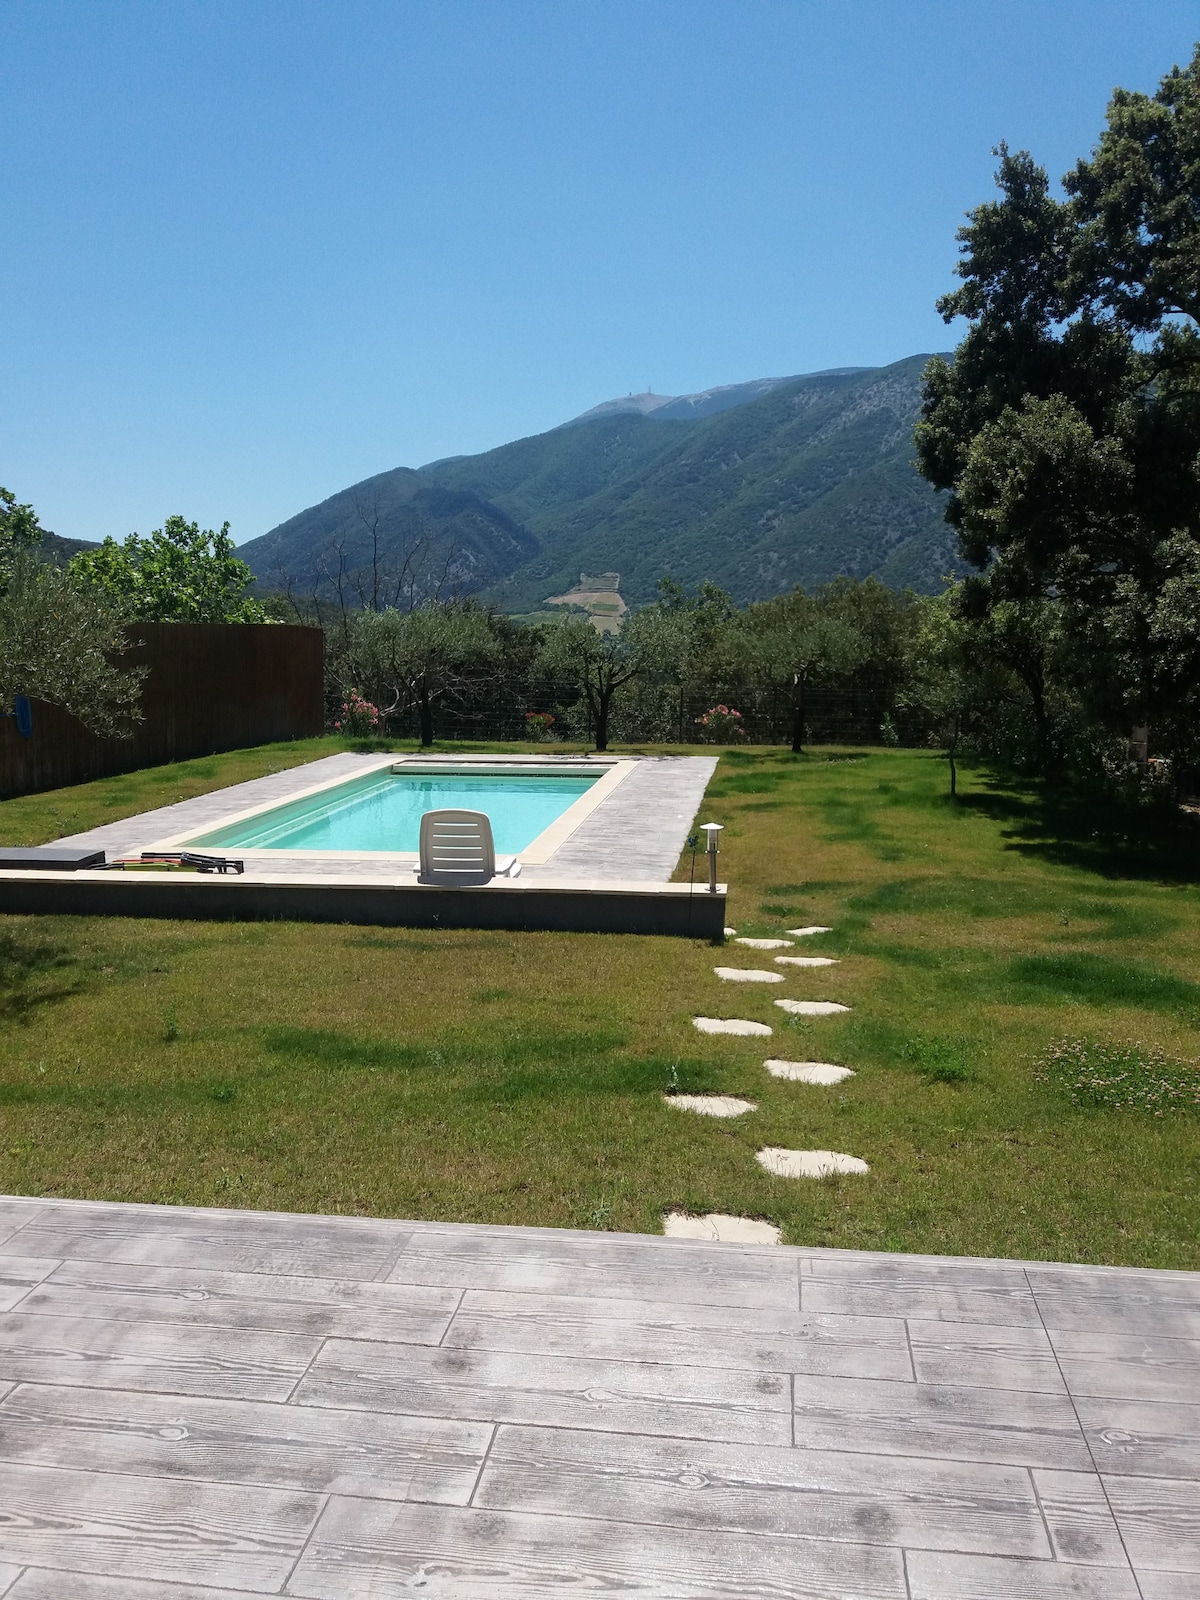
{"points": [[1091, 831], [31, 976], [523, 1065]]}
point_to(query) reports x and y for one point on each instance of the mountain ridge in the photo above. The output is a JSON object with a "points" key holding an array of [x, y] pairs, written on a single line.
{"points": [[791, 481], [704, 403]]}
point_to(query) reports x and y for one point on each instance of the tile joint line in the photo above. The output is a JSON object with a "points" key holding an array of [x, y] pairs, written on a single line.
{"points": [[17, 1304], [904, 1573], [1083, 1434], [321, 1343], [462, 1295], [393, 1260], [1037, 1500], [291, 1572], [483, 1463], [34, 1213]]}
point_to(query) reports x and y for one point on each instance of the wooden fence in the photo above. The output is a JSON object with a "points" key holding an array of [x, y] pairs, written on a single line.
{"points": [[210, 686]]}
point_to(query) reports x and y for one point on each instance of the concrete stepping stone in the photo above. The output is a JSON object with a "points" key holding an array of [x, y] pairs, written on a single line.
{"points": [[730, 932], [712, 1105], [808, 961], [808, 1163], [747, 975], [806, 933], [822, 1072], [716, 1226], [766, 944], [811, 1008], [731, 1025]]}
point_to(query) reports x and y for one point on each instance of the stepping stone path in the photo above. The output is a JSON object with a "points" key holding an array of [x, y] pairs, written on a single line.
{"points": [[716, 1226], [711, 1105], [731, 1025], [822, 1072], [811, 1008], [808, 1163], [747, 975]]}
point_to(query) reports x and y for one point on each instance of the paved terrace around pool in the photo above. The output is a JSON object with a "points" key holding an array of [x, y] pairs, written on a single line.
{"points": [[637, 834], [610, 875], [205, 1404]]}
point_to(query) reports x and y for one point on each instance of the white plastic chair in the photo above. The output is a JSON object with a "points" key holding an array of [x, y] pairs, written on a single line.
{"points": [[457, 850]]}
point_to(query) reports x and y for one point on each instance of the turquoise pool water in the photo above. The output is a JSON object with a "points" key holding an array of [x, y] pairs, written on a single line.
{"points": [[383, 811]]}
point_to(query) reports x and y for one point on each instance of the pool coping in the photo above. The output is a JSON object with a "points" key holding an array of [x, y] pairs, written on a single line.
{"points": [[535, 854]]}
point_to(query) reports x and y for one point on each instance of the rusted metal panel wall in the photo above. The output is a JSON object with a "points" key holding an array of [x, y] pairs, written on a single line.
{"points": [[210, 686]]}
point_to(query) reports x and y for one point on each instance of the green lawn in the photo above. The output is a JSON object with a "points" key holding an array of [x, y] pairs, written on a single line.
{"points": [[494, 1077]]}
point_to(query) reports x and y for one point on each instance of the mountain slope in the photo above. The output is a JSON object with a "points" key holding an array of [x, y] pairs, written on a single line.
{"points": [[564, 467], [452, 535], [811, 479], [58, 549]]}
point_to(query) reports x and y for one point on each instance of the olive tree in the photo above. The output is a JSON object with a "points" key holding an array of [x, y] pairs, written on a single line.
{"points": [[794, 641], [418, 659], [650, 642], [59, 641]]}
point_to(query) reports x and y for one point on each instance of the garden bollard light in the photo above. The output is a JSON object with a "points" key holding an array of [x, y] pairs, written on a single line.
{"points": [[712, 829]]}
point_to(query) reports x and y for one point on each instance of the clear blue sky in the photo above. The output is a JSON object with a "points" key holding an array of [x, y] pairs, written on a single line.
{"points": [[257, 251]]}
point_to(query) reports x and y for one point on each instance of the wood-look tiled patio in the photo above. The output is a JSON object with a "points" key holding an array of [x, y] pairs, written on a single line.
{"points": [[226, 1404]]}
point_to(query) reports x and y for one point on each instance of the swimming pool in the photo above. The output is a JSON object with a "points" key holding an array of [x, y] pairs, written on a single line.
{"points": [[380, 811]]}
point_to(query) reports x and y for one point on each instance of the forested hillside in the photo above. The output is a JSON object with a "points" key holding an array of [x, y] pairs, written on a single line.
{"points": [[391, 538], [811, 480]]}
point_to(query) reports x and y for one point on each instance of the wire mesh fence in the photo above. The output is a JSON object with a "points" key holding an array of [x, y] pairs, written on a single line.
{"points": [[667, 714]]}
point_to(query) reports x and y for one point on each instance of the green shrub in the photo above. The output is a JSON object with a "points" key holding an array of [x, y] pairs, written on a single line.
{"points": [[1120, 1077]]}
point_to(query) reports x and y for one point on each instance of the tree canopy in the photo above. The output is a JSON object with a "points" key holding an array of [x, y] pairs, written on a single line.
{"points": [[59, 642], [419, 658], [795, 640], [1067, 427], [653, 640], [178, 573]]}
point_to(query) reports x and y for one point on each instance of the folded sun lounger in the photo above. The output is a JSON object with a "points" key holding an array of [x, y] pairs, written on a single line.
{"points": [[224, 865], [457, 850]]}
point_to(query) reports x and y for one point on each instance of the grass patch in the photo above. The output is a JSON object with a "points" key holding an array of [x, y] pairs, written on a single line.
{"points": [[519, 1078], [1101, 980], [941, 1060]]}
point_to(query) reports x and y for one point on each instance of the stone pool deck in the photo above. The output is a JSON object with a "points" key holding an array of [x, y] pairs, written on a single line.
{"points": [[638, 833], [204, 1404], [610, 875]]}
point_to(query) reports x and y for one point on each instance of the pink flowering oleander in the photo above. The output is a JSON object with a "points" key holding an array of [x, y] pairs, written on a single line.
{"points": [[722, 722], [358, 715]]}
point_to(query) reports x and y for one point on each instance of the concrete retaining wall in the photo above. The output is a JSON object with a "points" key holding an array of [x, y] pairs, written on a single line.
{"points": [[666, 908]]}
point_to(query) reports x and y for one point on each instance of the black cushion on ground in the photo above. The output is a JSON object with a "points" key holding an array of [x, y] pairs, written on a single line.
{"points": [[49, 858]]}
